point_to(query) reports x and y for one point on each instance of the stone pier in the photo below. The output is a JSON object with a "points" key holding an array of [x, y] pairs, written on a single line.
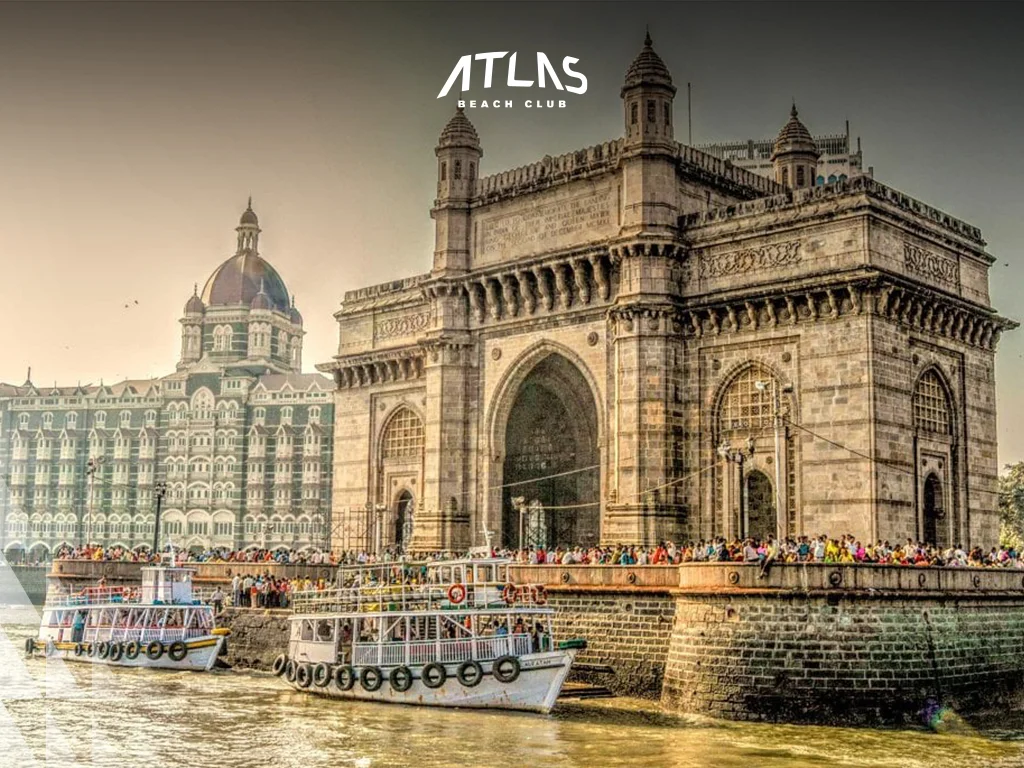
{"points": [[810, 643]]}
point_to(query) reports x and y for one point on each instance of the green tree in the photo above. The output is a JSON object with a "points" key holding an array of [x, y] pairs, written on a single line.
{"points": [[1011, 506]]}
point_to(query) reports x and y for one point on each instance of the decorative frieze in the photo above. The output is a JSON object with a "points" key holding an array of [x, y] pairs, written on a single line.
{"points": [[931, 266], [404, 325], [772, 256]]}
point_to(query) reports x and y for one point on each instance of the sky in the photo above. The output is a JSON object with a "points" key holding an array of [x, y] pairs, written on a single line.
{"points": [[132, 134]]}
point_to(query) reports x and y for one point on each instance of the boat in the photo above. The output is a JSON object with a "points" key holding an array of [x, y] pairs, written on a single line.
{"points": [[160, 625], [450, 633]]}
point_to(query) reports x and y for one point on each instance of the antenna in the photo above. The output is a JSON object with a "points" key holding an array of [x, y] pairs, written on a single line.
{"points": [[689, 118]]}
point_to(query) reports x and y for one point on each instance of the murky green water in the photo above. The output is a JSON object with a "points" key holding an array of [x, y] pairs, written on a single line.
{"points": [[56, 714]]}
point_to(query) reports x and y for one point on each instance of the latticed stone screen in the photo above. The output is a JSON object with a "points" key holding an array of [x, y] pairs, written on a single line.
{"points": [[404, 436], [744, 406], [931, 406]]}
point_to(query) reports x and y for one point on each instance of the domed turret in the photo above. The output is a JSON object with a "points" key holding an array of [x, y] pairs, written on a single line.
{"points": [[647, 94], [195, 306], [794, 154], [647, 69], [458, 132], [249, 216], [261, 301], [294, 314]]}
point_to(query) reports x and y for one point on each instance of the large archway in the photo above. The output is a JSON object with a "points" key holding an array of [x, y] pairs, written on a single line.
{"points": [[761, 514], [404, 508], [934, 514], [551, 476]]}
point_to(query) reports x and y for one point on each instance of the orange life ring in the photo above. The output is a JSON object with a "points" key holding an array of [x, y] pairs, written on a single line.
{"points": [[540, 595], [456, 593], [509, 594]]}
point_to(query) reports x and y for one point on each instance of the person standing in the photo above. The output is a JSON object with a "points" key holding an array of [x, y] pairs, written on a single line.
{"points": [[217, 599], [236, 590]]}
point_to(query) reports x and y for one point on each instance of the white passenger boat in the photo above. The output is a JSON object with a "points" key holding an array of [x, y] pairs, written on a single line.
{"points": [[447, 634], [161, 625]]}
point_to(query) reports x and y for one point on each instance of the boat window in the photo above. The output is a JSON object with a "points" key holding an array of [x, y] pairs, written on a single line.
{"points": [[307, 629], [325, 631]]}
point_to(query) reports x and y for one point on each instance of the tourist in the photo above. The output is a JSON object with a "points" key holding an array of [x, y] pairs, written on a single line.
{"points": [[217, 600]]}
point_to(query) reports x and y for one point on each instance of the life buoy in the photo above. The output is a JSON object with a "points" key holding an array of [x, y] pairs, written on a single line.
{"points": [[178, 651], [116, 652], [154, 650], [506, 669], [279, 664], [456, 593], [371, 679], [30, 645], [290, 670], [303, 676], [104, 649], [132, 650], [434, 675], [540, 595], [79, 649], [470, 673], [322, 675], [344, 677], [509, 594], [401, 679]]}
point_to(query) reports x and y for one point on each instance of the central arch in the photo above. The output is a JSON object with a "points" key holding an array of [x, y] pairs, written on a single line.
{"points": [[551, 452], [934, 530], [761, 513], [403, 521]]}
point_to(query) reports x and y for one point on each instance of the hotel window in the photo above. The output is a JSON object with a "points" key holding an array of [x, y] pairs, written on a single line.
{"points": [[100, 419], [47, 420], [72, 420], [222, 529]]}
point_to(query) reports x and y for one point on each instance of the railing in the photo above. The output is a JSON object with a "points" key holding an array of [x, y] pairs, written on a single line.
{"points": [[412, 597], [447, 651], [94, 596]]}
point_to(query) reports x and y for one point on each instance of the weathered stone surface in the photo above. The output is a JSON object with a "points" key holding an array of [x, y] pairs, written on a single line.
{"points": [[258, 636]]}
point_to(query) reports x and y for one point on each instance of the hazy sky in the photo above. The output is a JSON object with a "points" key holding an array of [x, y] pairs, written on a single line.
{"points": [[131, 135]]}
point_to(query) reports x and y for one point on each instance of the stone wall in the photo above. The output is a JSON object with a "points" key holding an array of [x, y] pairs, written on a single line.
{"points": [[807, 643], [32, 580], [257, 636]]}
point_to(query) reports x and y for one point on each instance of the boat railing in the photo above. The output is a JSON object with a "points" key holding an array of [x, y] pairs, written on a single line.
{"points": [[375, 597], [419, 652], [94, 596], [142, 634]]}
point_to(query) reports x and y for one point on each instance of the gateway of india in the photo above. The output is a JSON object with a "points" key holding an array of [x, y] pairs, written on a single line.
{"points": [[638, 341]]}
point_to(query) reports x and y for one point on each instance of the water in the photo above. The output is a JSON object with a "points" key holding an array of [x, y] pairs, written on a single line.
{"points": [[56, 714]]}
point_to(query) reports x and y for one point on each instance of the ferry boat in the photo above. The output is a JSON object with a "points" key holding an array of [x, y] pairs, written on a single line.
{"points": [[160, 625], [453, 633]]}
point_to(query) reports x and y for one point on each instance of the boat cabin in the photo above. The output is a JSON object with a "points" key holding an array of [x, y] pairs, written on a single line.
{"points": [[165, 585]]}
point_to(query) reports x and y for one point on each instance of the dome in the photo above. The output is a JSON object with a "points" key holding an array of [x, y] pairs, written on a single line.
{"points": [[794, 137], [459, 132], [294, 314], [261, 301], [249, 216], [241, 278], [195, 305], [648, 69]]}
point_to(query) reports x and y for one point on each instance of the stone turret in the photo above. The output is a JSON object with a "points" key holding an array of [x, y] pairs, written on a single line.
{"points": [[795, 155], [647, 95], [458, 160]]}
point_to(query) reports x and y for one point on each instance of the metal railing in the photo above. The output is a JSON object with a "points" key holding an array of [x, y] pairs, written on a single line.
{"points": [[419, 652], [415, 597]]}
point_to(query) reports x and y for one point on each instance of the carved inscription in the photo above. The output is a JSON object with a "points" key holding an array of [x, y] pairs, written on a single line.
{"points": [[931, 266], [534, 229], [771, 256], [391, 327]]}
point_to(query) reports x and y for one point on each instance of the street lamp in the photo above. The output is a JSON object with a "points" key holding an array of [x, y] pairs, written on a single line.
{"points": [[738, 456], [519, 502], [91, 467], [159, 491]]}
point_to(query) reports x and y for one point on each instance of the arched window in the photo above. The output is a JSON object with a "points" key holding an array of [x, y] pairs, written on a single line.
{"points": [[457, 170], [744, 406], [403, 436], [444, 171], [931, 405]]}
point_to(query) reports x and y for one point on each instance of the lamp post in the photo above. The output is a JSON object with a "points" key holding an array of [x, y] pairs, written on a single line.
{"points": [[159, 491], [738, 456], [91, 467], [380, 510], [519, 502]]}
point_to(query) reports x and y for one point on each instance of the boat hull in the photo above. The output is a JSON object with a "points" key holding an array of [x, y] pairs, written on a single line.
{"points": [[201, 655], [536, 689]]}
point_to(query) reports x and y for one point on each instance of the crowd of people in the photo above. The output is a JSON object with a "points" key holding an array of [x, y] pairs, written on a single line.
{"points": [[267, 591], [802, 549]]}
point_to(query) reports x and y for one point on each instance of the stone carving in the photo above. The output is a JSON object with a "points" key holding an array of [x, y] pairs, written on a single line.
{"points": [[931, 266], [773, 256], [391, 327]]}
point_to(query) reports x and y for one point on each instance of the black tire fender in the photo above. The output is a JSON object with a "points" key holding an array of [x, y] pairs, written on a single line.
{"points": [[322, 673], [470, 673], [104, 649], [303, 675], [434, 675], [115, 652], [344, 677], [401, 679], [371, 678], [279, 664], [79, 649], [506, 669], [132, 650], [154, 650], [290, 670]]}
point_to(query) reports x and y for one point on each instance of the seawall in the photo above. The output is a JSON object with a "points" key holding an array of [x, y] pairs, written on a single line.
{"points": [[257, 637], [809, 643]]}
